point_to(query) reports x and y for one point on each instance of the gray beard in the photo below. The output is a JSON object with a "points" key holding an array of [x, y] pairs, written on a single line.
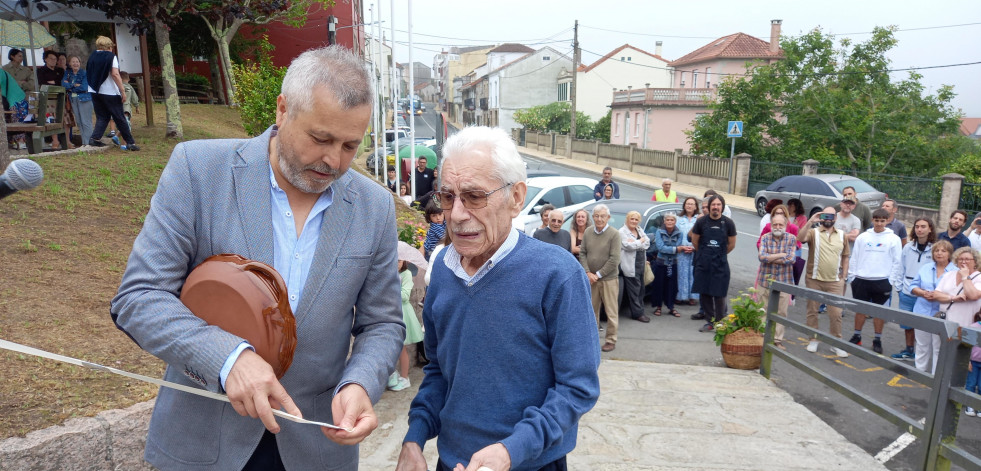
{"points": [[294, 174]]}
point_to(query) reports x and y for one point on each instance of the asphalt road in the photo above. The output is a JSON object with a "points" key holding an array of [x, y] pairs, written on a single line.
{"points": [[677, 340]]}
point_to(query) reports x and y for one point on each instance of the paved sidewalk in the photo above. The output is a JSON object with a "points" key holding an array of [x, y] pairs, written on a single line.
{"points": [[654, 416]]}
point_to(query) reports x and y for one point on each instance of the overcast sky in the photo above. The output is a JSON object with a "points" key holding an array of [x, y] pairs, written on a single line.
{"points": [[685, 26]]}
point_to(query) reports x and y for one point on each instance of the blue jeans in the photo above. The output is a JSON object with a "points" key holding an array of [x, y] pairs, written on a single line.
{"points": [[906, 303], [973, 377]]}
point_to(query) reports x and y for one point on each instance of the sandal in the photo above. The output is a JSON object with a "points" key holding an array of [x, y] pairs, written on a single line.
{"points": [[657, 312], [692, 302], [674, 313]]}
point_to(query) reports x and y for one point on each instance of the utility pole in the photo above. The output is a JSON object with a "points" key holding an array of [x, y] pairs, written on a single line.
{"points": [[331, 30], [575, 72]]}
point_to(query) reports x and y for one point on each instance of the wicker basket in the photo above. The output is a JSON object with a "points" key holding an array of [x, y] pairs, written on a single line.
{"points": [[743, 349]]}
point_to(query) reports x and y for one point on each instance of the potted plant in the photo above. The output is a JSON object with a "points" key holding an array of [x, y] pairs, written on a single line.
{"points": [[740, 334]]}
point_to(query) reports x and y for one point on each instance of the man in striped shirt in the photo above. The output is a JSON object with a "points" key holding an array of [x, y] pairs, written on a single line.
{"points": [[777, 257]]}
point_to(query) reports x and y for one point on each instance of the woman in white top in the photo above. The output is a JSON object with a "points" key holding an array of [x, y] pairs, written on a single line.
{"points": [[959, 292], [106, 87], [633, 255]]}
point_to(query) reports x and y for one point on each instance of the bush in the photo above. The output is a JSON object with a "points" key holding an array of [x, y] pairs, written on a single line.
{"points": [[257, 84], [555, 117]]}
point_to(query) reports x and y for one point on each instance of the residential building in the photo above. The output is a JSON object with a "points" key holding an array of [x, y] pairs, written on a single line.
{"points": [[426, 91], [460, 63], [625, 66], [528, 81], [383, 68], [657, 118], [971, 127]]}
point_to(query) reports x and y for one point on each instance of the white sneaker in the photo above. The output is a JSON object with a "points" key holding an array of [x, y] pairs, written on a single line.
{"points": [[393, 380], [841, 353], [402, 384], [970, 412], [812, 346]]}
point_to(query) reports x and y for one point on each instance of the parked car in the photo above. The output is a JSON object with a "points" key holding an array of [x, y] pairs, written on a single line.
{"points": [[651, 214], [541, 173], [565, 193], [817, 192]]}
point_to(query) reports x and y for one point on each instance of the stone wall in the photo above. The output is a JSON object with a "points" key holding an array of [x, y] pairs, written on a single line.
{"points": [[112, 440]]}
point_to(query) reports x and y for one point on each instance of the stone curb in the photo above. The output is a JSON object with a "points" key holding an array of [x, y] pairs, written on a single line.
{"points": [[112, 440]]}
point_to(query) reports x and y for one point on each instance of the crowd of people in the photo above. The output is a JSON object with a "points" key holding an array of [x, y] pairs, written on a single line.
{"points": [[100, 89]]}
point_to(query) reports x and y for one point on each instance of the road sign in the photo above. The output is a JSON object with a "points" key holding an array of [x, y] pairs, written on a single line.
{"points": [[735, 129]]}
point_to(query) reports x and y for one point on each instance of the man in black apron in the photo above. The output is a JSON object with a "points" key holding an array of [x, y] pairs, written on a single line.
{"points": [[713, 237]]}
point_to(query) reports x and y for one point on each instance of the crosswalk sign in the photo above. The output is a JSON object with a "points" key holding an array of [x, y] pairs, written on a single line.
{"points": [[735, 129]]}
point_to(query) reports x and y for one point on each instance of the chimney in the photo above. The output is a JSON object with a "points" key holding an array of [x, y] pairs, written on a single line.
{"points": [[775, 35], [657, 48]]}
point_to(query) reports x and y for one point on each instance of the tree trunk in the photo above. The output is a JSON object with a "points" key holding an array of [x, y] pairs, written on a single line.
{"points": [[216, 80], [227, 70], [169, 78]]}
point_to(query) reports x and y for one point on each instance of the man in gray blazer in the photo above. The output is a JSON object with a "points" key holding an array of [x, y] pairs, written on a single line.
{"points": [[283, 198]]}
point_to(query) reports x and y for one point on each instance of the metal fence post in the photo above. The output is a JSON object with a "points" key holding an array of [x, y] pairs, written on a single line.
{"points": [[772, 304], [950, 373]]}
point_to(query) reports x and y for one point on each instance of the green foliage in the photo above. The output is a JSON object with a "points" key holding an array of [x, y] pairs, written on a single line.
{"points": [[833, 101], [556, 117], [601, 131], [259, 83], [747, 313], [192, 81]]}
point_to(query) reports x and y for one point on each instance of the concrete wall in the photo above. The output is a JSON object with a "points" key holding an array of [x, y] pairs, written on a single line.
{"points": [[529, 82], [594, 89]]}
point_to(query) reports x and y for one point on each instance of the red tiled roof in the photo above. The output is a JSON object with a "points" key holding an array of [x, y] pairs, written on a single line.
{"points": [[583, 68], [511, 47], [969, 126], [475, 82], [734, 46], [421, 86]]}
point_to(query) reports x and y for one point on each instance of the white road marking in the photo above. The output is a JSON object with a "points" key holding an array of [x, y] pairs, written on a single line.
{"points": [[896, 446]]}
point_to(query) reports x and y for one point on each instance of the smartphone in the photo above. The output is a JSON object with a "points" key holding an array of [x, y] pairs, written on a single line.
{"points": [[826, 217]]}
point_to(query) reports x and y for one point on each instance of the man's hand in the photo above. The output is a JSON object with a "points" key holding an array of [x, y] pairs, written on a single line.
{"points": [[254, 391], [351, 409], [593, 278], [495, 457], [411, 459]]}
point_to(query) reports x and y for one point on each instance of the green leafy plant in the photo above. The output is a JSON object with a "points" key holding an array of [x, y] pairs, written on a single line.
{"points": [[257, 86], [747, 313]]}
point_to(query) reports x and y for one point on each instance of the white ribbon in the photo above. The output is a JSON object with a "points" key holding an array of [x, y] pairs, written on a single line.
{"points": [[16, 347]]}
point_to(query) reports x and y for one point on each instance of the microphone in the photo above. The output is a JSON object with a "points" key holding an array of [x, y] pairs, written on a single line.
{"points": [[21, 174]]}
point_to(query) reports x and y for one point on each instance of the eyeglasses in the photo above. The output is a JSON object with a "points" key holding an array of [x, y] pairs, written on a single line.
{"points": [[472, 199], [962, 259]]}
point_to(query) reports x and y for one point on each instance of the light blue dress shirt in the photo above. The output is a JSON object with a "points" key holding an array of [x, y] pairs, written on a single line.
{"points": [[292, 255]]}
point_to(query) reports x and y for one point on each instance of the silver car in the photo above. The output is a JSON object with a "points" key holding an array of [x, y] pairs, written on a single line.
{"points": [[817, 192]]}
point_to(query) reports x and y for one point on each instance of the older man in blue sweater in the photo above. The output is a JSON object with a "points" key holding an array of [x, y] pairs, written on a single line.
{"points": [[512, 341]]}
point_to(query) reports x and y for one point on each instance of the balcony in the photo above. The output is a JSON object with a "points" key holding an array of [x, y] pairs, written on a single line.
{"points": [[663, 96]]}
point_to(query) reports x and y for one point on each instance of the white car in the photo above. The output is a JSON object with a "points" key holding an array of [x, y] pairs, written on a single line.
{"points": [[566, 193]]}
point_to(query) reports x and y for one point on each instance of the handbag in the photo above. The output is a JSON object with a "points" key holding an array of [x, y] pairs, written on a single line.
{"points": [[648, 274]]}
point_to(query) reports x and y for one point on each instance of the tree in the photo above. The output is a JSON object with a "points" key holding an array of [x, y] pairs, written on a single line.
{"points": [[837, 106], [601, 132], [159, 15], [554, 117], [224, 18]]}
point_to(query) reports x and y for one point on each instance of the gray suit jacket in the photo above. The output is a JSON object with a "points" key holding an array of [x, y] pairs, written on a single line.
{"points": [[214, 197]]}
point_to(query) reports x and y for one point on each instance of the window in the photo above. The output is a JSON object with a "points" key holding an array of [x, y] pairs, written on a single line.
{"points": [[616, 119], [694, 79], [628, 58], [563, 92], [555, 197], [580, 194], [682, 80], [636, 124], [532, 193], [546, 58], [708, 77]]}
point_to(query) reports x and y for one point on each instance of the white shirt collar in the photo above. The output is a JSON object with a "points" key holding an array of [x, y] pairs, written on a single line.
{"points": [[454, 261]]}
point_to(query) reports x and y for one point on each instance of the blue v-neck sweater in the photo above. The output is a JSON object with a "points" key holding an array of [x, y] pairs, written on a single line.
{"points": [[513, 358]]}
